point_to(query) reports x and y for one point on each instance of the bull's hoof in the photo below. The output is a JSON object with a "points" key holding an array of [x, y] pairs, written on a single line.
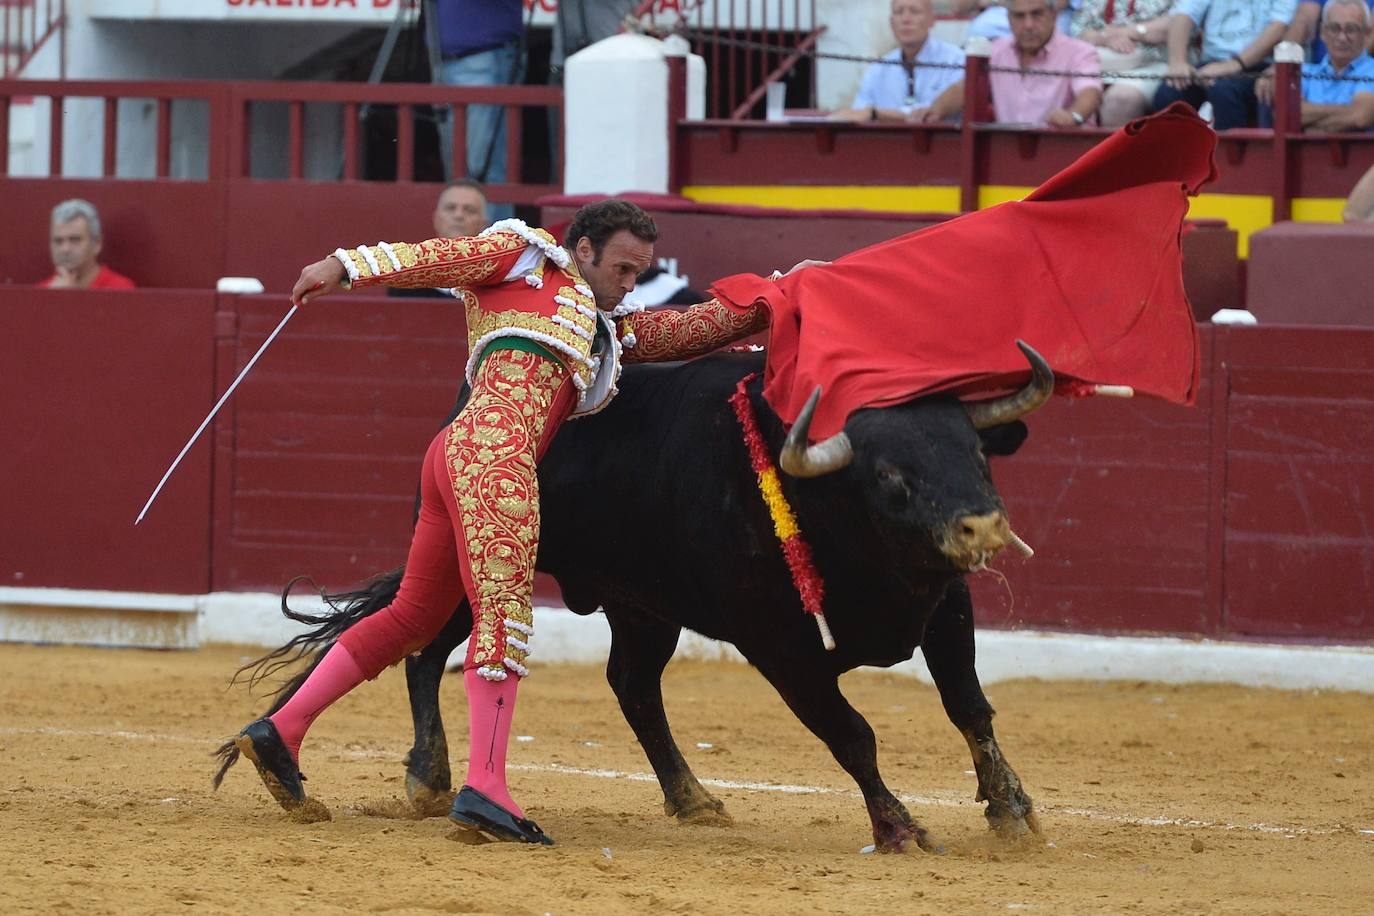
{"points": [[706, 817], [1012, 822], [901, 838], [262, 745], [427, 801], [707, 811]]}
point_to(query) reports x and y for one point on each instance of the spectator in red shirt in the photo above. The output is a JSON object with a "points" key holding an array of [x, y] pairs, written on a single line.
{"points": [[75, 242]]}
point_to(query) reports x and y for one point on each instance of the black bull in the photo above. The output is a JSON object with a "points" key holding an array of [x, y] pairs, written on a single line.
{"points": [[652, 513]]}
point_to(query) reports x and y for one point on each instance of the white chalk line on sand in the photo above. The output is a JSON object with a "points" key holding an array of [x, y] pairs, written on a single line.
{"points": [[783, 788]]}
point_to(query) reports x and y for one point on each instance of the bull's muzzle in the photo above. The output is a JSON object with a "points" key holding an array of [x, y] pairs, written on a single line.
{"points": [[972, 541]]}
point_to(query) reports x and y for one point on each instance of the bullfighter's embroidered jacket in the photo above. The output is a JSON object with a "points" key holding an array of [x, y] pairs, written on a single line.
{"points": [[516, 281]]}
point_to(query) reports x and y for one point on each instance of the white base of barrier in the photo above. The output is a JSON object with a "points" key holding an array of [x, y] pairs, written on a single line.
{"points": [[186, 621]]}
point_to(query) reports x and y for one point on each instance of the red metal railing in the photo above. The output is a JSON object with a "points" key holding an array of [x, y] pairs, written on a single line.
{"points": [[25, 27], [743, 51], [229, 132]]}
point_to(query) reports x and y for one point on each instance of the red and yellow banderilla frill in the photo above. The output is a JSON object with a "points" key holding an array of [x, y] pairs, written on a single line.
{"points": [[794, 547]]}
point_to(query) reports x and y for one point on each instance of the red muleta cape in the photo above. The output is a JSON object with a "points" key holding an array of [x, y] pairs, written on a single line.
{"points": [[1088, 270]]}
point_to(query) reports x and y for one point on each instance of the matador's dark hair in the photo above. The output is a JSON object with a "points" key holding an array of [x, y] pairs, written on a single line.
{"points": [[600, 220]]}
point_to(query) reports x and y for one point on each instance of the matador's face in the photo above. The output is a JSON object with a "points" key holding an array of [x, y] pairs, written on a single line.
{"points": [[612, 274]]}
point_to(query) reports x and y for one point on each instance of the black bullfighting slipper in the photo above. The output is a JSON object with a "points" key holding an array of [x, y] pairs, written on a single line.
{"points": [[260, 742], [474, 813]]}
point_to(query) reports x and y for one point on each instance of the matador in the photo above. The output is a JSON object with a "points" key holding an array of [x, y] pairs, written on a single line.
{"points": [[549, 328]]}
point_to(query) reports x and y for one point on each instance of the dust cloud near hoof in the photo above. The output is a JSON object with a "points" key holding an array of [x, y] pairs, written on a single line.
{"points": [[467, 837], [707, 817], [426, 802], [1011, 830], [310, 811], [392, 808]]}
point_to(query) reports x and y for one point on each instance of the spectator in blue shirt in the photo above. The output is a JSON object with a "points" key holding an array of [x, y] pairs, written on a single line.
{"points": [[1329, 102], [920, 80], [481, 45], [1238, 36], [1305, 29]]}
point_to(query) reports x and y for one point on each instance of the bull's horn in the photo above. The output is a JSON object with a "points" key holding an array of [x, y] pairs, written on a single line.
{"points": [[1003, 410], [800, 460]]}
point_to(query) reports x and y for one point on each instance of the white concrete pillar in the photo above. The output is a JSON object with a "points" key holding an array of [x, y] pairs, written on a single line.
{"points": [[616, 115]]}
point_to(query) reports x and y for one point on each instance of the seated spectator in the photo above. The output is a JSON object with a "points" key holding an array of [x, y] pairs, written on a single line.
{"points": [[1328, 102], [1129, 36], [1359, 207], [460, 212], [1035, 44], [992, 23], [75, 240], [1305, 29], [1238, 37], [905, 87]]}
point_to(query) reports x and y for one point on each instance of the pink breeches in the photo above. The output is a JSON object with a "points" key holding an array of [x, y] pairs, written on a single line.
{"points": [[478, 529]]}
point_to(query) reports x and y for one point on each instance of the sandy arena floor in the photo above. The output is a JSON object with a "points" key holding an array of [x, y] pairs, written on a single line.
{"points": [[1153, 799]]}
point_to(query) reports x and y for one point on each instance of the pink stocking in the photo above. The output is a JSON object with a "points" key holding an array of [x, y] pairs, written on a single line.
{"points": [[491, 706], [335, 675]]}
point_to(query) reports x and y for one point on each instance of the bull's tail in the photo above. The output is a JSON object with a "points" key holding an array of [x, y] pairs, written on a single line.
{"points": [[344, 610]]}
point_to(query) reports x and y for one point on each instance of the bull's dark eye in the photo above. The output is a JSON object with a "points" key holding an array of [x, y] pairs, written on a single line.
{"points": [[892, 481]]}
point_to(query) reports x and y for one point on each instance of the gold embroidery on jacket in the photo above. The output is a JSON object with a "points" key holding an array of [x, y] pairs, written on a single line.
{"points": [[439, 262], [667, 334]]}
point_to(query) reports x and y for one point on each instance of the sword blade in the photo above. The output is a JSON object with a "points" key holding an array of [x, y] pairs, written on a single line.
{"points": [[214, 410]]}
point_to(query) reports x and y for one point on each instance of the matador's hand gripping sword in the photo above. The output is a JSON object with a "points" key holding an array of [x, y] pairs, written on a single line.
{"points": [[214, 410]]}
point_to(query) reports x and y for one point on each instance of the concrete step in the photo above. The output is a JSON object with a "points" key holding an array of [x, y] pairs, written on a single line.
{"points": [[78, 617]]}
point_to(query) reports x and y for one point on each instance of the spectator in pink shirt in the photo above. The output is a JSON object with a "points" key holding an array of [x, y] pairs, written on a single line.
{"points": [[1035, 44]]}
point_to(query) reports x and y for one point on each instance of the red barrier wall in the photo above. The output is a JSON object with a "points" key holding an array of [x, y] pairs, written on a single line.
{"points": [[272, 230], [1114, 496], [1247, 516], [319, 452], [1311, 273], [189, 234], [159, 233], [182, 234], [1298, 556], [100, 391]]}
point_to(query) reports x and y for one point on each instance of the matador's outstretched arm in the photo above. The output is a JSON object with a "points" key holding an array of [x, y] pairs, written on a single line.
{"points": [[464, 262], [667, 334]]}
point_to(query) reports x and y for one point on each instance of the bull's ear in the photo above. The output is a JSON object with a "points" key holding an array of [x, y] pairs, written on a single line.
{"points": [[1004, 439]]}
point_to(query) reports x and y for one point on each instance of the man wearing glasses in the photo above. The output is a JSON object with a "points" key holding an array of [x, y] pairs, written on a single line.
{"points": [[1331, 100], [1305, 29], [1336, 95]]}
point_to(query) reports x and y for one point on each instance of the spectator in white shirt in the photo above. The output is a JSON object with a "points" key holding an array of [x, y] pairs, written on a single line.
{"points": [[920, 80]]}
